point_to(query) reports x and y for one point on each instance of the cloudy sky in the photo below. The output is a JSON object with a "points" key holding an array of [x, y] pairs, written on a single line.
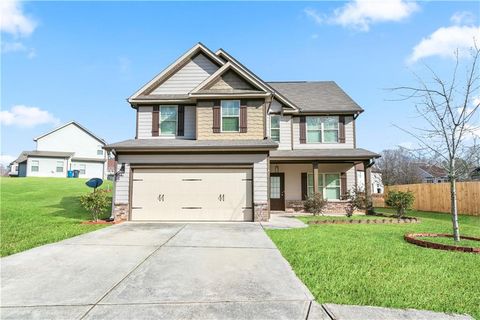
{"points": [[63, 61]]}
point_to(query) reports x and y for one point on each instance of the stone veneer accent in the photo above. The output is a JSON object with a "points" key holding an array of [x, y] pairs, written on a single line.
{"points": [[260, 211], [331, 207], [120, 212]]}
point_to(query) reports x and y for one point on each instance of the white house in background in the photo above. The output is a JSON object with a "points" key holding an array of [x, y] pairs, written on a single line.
{"points": [[69, 147], [375, 178]]}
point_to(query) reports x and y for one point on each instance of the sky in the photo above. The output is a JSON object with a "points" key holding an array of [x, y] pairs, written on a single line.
{"points": [[63, 61]]}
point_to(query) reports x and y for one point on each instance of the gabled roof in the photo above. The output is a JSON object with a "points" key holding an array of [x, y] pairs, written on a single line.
{"points": [[76, 124], [433, 170], [317, 96], [167, 72], [278, 95], [49, 154]]}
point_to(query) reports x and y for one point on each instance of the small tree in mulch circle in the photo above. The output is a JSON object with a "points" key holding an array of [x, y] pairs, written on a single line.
{"points": [[314, 204], [95, 202], [400, 200]]}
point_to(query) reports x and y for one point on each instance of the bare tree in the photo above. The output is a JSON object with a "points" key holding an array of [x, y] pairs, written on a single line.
{"points": [[398, 166], [449, 111]]}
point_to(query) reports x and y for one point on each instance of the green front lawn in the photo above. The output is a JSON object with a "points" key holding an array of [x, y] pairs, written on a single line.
{"points": [[36, 211], [368, 264]]}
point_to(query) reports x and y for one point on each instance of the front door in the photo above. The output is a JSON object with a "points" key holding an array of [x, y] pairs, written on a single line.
{"points": [[277, 191]]}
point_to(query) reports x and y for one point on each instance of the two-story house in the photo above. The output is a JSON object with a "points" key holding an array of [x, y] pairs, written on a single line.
{"points": [[214, 142], [68, 147]]}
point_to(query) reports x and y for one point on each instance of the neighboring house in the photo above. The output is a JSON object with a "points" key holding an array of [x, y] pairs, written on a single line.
{"points": [[69, 147], [216, 142], [375, 178], [475, 174], [432, 173], [111, 168]]}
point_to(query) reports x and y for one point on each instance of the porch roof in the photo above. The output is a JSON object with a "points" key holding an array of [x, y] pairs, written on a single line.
{"points": [[356, 154]]}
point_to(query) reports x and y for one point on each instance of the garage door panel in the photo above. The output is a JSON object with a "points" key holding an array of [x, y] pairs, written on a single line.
{"points": [[192, 194]]}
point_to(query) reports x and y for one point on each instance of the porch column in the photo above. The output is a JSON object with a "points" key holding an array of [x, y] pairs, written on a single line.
{"points": [[315, 176], [368, 187]]}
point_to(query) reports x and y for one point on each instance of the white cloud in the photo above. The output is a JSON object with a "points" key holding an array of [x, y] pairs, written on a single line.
{"points": [[6, 159], [24, 116], [360, 14], [16, 46], [444, 41], [13, 20], [463, 18]]}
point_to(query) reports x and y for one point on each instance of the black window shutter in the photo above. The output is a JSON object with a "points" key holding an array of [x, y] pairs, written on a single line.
{"points": [[216, 116], [155, 121], [343, 185], [243, 116], [304, 186], [341, 124], [303, 130], [181, 121]]}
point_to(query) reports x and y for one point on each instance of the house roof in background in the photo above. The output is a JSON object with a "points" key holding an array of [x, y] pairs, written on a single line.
{"points": [[48, 154], [317, 96], [177, 144], [433, 170], [74, 123], [340, 154]]}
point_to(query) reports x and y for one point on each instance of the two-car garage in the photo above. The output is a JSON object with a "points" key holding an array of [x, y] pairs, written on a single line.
{"points": [[191, 194]]}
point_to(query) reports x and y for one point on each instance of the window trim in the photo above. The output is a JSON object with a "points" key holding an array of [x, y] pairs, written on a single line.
{"points": [[160, 120], [99, 148], [322, 185], [57, 167], [322, 130], [37, 166], [221, 116], [279, 119], [80, 169]]}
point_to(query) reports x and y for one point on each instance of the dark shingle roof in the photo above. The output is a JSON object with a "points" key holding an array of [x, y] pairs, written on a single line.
{"points": [[317, 96], [166, 144], [352, 154], [51, 154]]}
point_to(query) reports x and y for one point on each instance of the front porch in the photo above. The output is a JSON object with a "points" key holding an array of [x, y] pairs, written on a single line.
{"points": [[292, 178]]}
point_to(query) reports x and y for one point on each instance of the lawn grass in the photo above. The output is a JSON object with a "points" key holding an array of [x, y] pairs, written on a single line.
{"points": [[368, 264], [36, 211]]}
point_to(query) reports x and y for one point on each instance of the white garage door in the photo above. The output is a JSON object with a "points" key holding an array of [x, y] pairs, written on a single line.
{"points": [[192, 194]]}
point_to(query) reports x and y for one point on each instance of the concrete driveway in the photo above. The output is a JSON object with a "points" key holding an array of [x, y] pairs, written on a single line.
{"points": [[153, 270]]}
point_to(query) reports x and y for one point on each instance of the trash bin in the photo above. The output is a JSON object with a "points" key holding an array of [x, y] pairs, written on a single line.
{"points": [[76, 173], [70, 173]]}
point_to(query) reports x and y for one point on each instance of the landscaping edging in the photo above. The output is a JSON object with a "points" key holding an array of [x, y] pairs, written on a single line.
{"points": [[412, 238], [367, 221], [89, 222]]}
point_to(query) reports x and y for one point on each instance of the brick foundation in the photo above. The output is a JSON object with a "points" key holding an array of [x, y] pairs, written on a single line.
{"points": [[120, 212], [261, 211]]}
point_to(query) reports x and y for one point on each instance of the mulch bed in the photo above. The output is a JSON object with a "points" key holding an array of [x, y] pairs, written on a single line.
{"points": [[101, 222], [412, 238], [384, 220]]}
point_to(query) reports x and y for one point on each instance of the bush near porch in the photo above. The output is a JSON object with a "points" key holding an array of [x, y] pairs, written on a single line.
{"points": [[372, 265], [37, 211]]}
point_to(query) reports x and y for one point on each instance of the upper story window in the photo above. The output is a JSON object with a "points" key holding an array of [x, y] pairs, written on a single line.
{"points": [[35, 166], [322, 129], [230, 115], [275, 127], [59, 166], [168, 120], [99, 151]]}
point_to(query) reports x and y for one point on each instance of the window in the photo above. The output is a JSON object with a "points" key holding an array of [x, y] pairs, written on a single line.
{"points": [[230, 115], [322, 129], [59, 166], [275, 187], [34, 167], [168, 120], [275, 127], [328, 185], [82, 168], [99, 151]]}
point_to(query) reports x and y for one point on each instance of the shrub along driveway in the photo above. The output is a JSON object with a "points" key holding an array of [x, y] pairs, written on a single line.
{"points": [[165, 271]]}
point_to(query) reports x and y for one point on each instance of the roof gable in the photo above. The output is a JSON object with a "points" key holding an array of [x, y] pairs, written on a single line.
{"points": [[74, 124], [199, 60]]}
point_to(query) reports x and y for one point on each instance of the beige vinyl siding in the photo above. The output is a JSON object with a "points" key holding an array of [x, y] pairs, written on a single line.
{"points": [[255, 122], [349, 137], [259, 161], [229, 81], [145, 124], [285, 142], [187, 77]]}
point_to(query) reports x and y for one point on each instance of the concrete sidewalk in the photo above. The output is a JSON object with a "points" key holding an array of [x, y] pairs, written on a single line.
{"points": [[167, 271]]}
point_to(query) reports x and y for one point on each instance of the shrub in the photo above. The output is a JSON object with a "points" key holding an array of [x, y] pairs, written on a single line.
{"points": [[95, 202], [356, 200], [314, 204], [400, 200]]}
